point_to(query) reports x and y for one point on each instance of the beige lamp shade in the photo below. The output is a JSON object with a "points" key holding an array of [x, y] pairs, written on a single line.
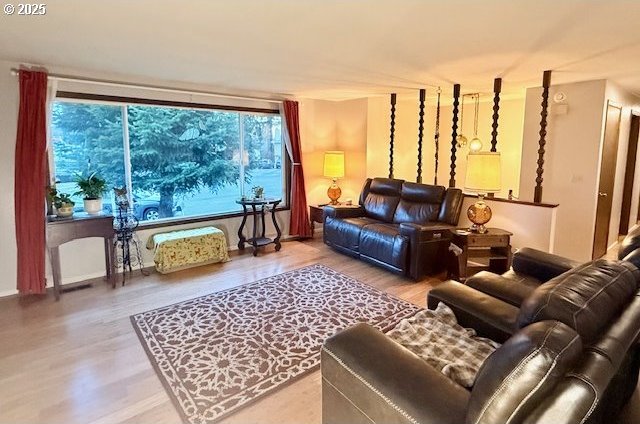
{"points": [[483, 172], [334, 164]]}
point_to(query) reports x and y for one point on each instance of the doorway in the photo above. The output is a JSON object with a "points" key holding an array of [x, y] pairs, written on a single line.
{"points": [[629, 175], [607, 179]]}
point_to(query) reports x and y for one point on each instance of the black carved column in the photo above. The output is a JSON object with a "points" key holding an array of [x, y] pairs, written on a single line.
{"points": [[420, 133], [392, 131], [546, 82], [454, 134], [497, 87]]}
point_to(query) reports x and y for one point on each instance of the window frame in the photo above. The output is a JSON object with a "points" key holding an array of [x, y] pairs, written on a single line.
{"points": [[124, 102]]}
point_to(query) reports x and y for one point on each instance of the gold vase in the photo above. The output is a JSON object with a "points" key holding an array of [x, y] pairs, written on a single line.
{"points": [[479, 213], [334, 192]]}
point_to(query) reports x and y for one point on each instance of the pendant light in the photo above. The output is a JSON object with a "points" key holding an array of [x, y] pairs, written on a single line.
{"points": [[476, 144], [461, 140]]}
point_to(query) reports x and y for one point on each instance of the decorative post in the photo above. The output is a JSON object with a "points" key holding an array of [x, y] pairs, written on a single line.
{"points": [[497, 87], [454, 134], [436, 139], [546, 82], [392, 131], [420, 133]]}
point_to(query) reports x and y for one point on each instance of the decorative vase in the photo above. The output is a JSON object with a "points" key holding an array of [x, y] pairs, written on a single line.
{"points": [[64, 211], [93, 206]]}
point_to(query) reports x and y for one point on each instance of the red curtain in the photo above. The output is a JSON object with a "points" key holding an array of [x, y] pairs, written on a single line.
{"points": [[30, 177], [299, 224]]}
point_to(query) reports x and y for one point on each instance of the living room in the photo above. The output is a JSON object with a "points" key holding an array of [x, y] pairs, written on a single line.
{"points": [[320, 212]]}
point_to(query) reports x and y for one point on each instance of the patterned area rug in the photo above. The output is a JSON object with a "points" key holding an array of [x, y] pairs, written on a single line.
{"points": [[217, 353]]}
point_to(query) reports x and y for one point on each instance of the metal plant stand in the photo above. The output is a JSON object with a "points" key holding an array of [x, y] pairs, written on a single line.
{"points": [[126, 243]]}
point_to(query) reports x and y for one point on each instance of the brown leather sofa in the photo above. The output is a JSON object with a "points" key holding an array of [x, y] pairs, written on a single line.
{"points": [[400, 226], [570, 352]]}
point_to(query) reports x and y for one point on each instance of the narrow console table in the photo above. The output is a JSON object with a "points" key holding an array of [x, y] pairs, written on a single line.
{"points": [[81, 225], [258, 207], [492, 248]]}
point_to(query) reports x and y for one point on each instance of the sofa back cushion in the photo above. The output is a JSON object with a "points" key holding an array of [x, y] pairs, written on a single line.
{"points": [[381, 198], [586, 298], [419, 203], [517, 376], [630, 243], [451, 206]]}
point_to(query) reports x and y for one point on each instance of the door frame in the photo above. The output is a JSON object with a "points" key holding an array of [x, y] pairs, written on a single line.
{"points": [[609, 103], [629, 173]]}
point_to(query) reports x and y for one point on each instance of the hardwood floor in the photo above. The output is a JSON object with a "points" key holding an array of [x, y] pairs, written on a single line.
{"points": [[80, 361]]}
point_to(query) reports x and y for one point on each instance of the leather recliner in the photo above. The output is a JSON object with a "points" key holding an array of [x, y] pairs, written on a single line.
{"points": [[400, 226], [570, 352]]}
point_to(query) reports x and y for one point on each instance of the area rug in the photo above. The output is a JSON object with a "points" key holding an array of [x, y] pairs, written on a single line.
{"points": [[217, 353]]}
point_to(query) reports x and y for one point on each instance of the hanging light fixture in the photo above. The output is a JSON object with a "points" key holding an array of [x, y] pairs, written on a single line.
{"points": [[461, 140], [475, 145]]}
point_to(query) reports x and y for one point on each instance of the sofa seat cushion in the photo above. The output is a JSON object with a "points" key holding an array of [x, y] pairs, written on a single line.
{"points": [[510, 287], [346, 232], [383, 243]]}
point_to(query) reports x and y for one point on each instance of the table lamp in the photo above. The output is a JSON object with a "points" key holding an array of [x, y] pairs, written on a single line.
{"points": [[483, 176], [334, 169]]}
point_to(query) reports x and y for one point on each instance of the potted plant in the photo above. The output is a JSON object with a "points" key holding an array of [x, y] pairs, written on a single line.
{"points": [[92, 187], [61, 201], [258, 192]]}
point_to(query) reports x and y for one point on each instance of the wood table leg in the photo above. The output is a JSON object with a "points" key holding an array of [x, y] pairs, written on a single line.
{"points": [[241, 238], [255, 230], [54, 258], [276, 241]]}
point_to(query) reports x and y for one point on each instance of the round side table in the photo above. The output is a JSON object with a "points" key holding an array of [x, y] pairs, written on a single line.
{"points": [[257, 207]]}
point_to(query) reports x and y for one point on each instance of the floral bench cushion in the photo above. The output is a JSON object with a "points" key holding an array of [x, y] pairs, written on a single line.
{"points": [[177, 250]]}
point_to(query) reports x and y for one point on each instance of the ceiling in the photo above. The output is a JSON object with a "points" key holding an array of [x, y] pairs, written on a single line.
{"points": [[334, 49]]}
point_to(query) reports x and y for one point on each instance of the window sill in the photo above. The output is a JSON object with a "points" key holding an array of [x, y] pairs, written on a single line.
{"points": [[170, 222]]}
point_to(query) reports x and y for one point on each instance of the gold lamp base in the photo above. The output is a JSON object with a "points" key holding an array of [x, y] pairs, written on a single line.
{"points": [[334, 193], [479, 213]]}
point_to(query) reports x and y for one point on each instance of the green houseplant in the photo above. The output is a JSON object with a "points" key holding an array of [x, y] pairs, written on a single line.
{"points": [[61, 201], [92, 187]]}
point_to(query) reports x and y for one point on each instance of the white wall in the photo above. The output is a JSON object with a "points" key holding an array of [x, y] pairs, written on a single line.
{"points": [[81, 259], [8, 119], [532, 226], [571, 161], [406, 139], [329, 125]]}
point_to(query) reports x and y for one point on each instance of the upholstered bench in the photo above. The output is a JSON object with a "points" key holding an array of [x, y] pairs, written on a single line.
{"points": [[178, 250]]}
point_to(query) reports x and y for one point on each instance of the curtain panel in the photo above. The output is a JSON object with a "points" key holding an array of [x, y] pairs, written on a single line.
{"points": [[30, 182], [299, 223]]}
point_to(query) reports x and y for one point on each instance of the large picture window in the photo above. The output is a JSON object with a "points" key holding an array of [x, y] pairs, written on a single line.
{"points": [[175, 161]]}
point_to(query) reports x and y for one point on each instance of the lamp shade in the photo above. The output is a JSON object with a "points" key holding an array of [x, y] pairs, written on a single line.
{"points": [[483, 172], [334, 164]]}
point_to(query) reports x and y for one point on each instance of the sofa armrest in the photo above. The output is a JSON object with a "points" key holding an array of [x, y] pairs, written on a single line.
{"points": [[541, 265], [428, 246], [342, 212], [368, 377], [488, 316], [419, 233]]}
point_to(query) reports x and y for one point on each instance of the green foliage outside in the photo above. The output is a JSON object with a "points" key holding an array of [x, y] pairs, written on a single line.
{"points": [[173, 151]]}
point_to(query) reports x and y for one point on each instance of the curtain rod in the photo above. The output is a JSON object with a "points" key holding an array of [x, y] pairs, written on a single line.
{"points": [[69, 78]]}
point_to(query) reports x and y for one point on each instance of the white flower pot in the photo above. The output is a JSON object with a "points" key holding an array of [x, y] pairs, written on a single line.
{"points": [[93, 206]]}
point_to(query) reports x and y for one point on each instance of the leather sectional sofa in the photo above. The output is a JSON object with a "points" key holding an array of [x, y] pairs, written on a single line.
{"points": [[570, 351], [400, 226]]}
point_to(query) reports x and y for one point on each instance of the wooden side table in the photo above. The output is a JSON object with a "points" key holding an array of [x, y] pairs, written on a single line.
{"points": [[258, 207], [489, 251], [81, 225], [316, 214]]}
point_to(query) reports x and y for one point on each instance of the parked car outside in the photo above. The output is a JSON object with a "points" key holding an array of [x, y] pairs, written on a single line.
{"points": [[144, 208]]}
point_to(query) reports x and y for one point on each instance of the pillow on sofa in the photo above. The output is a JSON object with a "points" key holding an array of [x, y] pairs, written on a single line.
{"points": [[437, 338]]}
